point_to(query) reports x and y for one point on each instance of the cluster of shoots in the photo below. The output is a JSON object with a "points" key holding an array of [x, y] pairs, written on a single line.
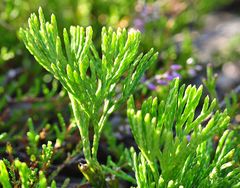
{"points": [[175, 142], [97, 84]]}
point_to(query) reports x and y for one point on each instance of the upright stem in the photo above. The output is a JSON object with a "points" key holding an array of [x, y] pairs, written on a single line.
{"points": [[98, 132], [92, 171], [82, 121]]}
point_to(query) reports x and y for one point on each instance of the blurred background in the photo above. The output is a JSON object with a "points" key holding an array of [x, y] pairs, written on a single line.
{"points": [[188, 34]]}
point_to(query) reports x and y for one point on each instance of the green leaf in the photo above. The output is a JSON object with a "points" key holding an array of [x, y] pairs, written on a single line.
{"points": [[4, 177]]}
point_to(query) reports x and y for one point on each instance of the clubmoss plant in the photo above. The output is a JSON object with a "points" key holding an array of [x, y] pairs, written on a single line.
{"points": [[176, 146], [28, 176], [33, 138], [96, 84], [36, 172], [210, 82]]}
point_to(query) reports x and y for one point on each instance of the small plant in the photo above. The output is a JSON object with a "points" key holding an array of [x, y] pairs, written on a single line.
{"points": [[28, 176], [181, 144], [182, 137], [96, 84], [210, 82], [176, 146]]}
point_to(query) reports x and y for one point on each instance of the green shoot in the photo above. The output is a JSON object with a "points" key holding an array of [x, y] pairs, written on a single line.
{"points": [[96, 84], [172, 138]]}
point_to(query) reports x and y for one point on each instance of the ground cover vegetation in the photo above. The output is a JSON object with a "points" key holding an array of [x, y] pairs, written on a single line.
{"points": [[113, 96]]}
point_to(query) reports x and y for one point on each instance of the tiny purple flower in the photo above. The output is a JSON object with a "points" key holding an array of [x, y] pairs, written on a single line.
{"points": [[175, 67], [176, 75], [145, 11], [171, 75], [143, 79], [139, 24], [192, 72], [188, 138], [162, 82], [151, 86]]}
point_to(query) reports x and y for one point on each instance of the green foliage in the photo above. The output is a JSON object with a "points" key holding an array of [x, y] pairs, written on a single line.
{"points": [[24, 173], [42, 180], [176, 150], [33, 174], [232, 103], [11, 171], [28, 177], [176, 144], [115, 170], [53, 184], [200, 169], [5, 55], [204, 6], [46, 156], [210, 82], [65, 183], [3, 135], [60, 133], [92, 82], [4, 178], [33, 138]]}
